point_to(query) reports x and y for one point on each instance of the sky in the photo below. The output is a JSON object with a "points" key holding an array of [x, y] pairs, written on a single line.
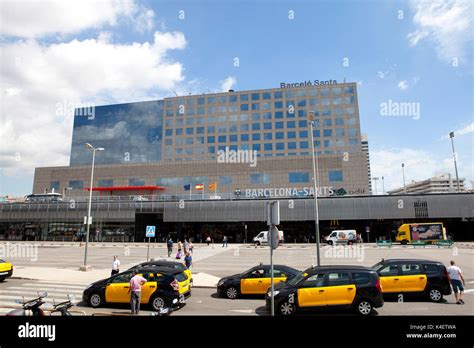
{"points": [[59, 55]]}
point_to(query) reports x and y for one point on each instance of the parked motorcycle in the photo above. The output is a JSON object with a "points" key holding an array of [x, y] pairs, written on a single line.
{"points": [[30, 308]]}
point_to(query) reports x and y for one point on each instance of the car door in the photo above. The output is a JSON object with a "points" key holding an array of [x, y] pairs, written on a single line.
{"points": [[340, 289], [116, 290], [252, 282], [390, 278], [149, 287], [413, 278], [312, 292]]}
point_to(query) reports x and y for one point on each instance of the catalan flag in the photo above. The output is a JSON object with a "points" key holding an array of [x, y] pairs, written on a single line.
{"points": [[213, 186], [199, 187]]}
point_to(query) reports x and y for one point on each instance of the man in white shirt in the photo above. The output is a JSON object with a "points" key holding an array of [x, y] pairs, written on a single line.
{"points": [[455, 276], [115, 266]]}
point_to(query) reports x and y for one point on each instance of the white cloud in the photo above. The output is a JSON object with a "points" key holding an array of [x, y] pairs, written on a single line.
{"points": [[35, 18], [382, 74], [227, 83], [461, 131], [38, 80], [403, 85], [446, 23], [419, 165]]}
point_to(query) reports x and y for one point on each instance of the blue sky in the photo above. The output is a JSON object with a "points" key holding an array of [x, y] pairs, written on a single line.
{"points": [[404, 51]]}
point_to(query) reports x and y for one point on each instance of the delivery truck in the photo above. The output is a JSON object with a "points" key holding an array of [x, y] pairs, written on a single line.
{"points": [[428, 232]]}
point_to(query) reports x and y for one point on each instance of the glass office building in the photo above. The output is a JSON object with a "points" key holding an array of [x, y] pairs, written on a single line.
{"points": [[176, 141]]}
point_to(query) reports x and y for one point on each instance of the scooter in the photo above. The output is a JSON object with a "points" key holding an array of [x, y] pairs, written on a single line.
{"points": [[30, 308]]}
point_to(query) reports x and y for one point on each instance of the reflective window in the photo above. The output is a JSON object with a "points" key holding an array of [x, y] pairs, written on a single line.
{"points": [[136, 182], [221, 129], [169, 132], [316, 133], [303, 134], [256, 147], [267, 116], [189, 131], [256, 136], [267, 147], [256, 116], [327, 143], [244, 97], [267, 136], [290, 124], [244, 127], [280, 146], [255, 96], [179, 131], [267, 125], [336, 91], [189, 141], [244, 117], [349, 89], [340, 132], [279, 135], [335, 175], [211, 149], [291, 135], [327, 122], [278, 105], [302, 113], [291, 145], [199, 140], [225, 180], [255, 126], [106, 182], [265, 106], [327, 132], [222, 138], [55, 185], [302, 102], [352, 132], [244, 137], [324, 92], [278, 125], [255, 106], [232, 98], [259, 178], [244, 107], [233, 138], [302, 123], [278, 114], [303, 144], [297, 177], [339, 122], [211, 129], [267, 95], [277, 95], [200, 130]]}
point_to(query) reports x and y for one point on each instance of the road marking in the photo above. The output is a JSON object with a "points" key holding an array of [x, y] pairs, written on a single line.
{"points": [[468, 291], [62, 283], [241, 310], [54, 286]]}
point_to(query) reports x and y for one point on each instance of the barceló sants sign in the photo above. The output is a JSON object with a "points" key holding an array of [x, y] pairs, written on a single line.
{"points": [[308, 83]]}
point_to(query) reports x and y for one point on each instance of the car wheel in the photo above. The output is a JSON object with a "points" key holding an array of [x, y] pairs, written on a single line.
{"points": [[349, 242], [435, 295], [286, 308], [2, 279], [329, 242], [95, 300], [231, 293], [157, 303], [404, 242], [364, 307], [257, 243]]}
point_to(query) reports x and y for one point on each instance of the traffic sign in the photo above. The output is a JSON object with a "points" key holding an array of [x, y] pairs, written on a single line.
{"points": [[150, 231]]}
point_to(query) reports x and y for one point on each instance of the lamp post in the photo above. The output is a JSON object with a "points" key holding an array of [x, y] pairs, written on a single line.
{"points": [[66, 189], [375, 179], [315, 180], [88, 218], [383, 187], [403, 171], [451, 135]]}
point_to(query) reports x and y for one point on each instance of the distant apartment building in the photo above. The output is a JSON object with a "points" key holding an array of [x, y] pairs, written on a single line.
{"points": [[443, 183], [365, 150]]}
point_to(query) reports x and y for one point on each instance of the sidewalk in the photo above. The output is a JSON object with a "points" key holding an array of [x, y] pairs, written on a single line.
{"points": [[67, 275]]}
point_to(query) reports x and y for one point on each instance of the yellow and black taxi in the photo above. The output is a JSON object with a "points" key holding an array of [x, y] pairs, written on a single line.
{"points": [[168, 264], [414, 277], [167, 288], [6, 270], [254, 281], [329, 287]]}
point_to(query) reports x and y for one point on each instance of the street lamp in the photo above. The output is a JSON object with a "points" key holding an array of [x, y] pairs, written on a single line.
{"points": [[66, 189], [88, 218], [315, 179], [375, 179], [451, 135], [404, 186], [383, 187]]}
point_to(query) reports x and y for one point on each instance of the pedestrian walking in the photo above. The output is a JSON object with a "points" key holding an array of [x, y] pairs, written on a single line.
{"points": [[224, 241], [169, 245], [191, 247], [208, 240], [180, 246], [115, 266], [457, 282], [185, 246], [135, 291], [188, 260]]}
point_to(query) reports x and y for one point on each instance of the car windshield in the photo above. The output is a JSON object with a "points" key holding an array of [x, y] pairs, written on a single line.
{"points": [[299, 277], [377, 266]]}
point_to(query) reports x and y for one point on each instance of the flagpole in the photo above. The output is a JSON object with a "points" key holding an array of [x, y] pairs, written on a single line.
{"points": [[190, 190]]}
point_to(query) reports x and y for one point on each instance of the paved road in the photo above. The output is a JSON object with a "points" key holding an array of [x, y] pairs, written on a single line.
{"points": [[205, 301]]}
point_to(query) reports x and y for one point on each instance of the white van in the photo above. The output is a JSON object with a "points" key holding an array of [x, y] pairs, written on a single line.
{"points": [[342, 237], [262, 238]]}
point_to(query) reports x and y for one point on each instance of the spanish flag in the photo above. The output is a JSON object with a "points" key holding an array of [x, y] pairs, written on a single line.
{"points": [[213, 186], [199, 187]]}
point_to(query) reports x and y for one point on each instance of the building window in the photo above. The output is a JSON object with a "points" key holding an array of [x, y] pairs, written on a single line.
{"points": [[279, 135], [297, 177], [169, 132], [222, 138], [244, 127], [267, 136], [278, 114], [225, 180], [335, 175], [280, 146], [328, 132], [267, 125], [54, 186], [233, 138], [76, 184], [256, 136], [106, 182], [211, 139], [244, 107], [256, 147], [136, 182], [303, 144], [244, 97], [290, 124], [316, 133], [278, 105], [259, 178], [291, 145], [277, 95], [291, 135], [211, 149], [268, 147], [303, 134], [255, 126], [255, 106], [244, 137]]}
